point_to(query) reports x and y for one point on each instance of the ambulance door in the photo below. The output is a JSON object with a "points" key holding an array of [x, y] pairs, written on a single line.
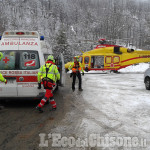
{"points": [[61, 64], [29, 63], [8, 67], [30, 59]]}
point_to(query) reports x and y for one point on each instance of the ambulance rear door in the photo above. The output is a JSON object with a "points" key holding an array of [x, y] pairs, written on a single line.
{"points": [[8, 65], [30, 60]]}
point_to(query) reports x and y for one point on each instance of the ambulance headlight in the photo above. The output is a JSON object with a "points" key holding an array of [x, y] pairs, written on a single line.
{"points": [[41, 37]]}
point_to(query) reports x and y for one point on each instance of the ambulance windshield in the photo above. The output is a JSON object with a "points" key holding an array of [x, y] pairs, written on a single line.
{"points": [[20, 60]]}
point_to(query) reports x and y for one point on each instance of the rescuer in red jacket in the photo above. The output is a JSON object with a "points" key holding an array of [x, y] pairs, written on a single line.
{"points": [[49, 75]]}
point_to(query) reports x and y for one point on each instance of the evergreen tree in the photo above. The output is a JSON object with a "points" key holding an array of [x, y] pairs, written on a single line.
{"points": [[62, 46]]}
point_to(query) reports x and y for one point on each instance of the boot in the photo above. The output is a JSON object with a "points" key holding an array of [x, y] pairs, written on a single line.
{"points": [[39, 109], [80, 89], [73, 87], [54, 108]]}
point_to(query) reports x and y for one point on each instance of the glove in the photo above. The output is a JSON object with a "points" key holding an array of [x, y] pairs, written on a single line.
{"points": [[82, 73], [71, 75], [5, 81], [39, 85]]}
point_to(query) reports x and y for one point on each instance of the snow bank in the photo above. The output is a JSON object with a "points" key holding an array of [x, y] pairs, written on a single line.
{"points": [[136, 68]]}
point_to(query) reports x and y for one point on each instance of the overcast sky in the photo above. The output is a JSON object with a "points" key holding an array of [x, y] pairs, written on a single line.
{"points": [[142, 0]]}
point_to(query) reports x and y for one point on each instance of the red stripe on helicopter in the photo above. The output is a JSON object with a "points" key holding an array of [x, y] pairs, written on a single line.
{"points": [[104, 69], [125, 66], [135, 58], [121, 67], [114, 66]]}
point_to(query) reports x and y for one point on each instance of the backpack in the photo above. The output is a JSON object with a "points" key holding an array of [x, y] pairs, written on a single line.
{"points": [[47, 82]]}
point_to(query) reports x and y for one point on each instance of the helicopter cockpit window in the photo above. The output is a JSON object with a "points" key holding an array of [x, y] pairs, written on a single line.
{"points": [[86, 60], [97, 62]]}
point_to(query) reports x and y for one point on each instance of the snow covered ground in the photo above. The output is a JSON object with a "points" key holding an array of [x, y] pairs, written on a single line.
{"points": [[119, 105], [111, 106]]}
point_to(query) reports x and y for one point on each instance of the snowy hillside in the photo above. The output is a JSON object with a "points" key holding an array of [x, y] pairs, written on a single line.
{"points": [[68, 25]]}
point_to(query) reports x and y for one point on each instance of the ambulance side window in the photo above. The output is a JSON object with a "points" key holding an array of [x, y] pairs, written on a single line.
{"points": [[8, 60], [29, 60]]}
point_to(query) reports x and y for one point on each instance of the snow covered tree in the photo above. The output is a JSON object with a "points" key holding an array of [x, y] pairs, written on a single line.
{"points": [[62, 45], [90, 20]]}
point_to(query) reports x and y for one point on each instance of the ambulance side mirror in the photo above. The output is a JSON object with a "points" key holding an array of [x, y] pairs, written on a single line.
{"points": [[42, 38], [0, 37]]}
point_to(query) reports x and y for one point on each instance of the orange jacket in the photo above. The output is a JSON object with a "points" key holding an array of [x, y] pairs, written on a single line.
{"points": [[76, 67]]}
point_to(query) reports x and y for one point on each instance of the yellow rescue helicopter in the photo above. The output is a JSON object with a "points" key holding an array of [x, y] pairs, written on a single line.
{"points": [[111, 57]]}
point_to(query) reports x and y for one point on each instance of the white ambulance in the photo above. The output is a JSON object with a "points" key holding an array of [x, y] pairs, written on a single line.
{"points": [[22, 58]]}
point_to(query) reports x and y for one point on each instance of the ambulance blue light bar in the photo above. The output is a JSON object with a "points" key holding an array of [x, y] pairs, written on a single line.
{"points": [[41, 38]]}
